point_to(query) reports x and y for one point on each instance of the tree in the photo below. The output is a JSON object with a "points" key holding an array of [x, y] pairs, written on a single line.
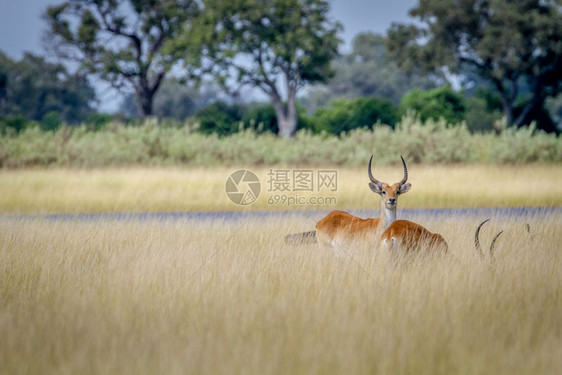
{"points": [[367, 71], [123, 42], [35, 88], [512, 44], [277, 46]]}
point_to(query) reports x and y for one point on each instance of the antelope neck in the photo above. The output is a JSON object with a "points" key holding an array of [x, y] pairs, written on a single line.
{"points": [[388, 215]]}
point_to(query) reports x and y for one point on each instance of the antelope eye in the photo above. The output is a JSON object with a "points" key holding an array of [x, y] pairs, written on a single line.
{"points": [[384, 192], [397, 193]]}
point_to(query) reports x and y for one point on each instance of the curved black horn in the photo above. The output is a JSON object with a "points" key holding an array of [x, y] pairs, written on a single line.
{"points": [[477, 239], [371, 177], [405, 172], [493, 244]]}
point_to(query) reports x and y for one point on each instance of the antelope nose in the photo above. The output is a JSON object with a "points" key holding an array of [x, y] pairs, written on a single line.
{"points": [[391, 200]]}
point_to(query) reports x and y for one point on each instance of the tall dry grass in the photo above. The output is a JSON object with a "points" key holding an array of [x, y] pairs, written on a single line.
{"points": [[211, 297], [195, 189]]}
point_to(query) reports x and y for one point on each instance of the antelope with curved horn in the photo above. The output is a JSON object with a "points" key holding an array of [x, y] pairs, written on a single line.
{"points": [[477, 241], [340, 226]]}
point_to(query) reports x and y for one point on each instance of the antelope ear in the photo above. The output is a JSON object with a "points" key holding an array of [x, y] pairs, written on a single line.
{"points": [[405, 188], [375, 188]]}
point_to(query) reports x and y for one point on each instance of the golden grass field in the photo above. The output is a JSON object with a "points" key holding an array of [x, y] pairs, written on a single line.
{"points": [[215, 297], [228, 297], [175, 189]]}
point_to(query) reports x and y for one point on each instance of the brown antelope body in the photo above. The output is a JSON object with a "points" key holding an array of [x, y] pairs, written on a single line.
{"points": [[338, 226], [409, 236]]}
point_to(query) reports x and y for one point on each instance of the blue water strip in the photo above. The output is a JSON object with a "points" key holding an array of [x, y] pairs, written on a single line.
{"points": [[257, 215]]}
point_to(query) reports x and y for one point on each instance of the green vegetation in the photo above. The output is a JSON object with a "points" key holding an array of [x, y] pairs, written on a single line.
{"points": [[515, 47], [276, 46], [167, 143], [141, 30], [344, 115], [33, 89], [504, 56], [219, 118], [439, 103], [366, 71], [216, 297]]}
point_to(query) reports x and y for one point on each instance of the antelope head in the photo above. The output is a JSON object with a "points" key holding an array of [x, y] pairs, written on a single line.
{"points": [[389, 193]]}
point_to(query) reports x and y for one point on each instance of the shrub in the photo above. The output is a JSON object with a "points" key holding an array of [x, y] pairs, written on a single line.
{"points": [[15, 123], [51, 121], [261, 118], [526, 145], [435, 142], [220, 117], [478, 116], [344, 115], [441, 102], [98, 121]]}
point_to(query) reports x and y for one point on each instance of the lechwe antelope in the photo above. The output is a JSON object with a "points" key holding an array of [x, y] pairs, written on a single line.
{"points": [[338, 226], [409, 236]]}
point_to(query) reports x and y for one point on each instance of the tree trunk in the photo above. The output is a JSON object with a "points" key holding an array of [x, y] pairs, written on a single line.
{"points": [[519, 122], [286, 118], [146, 91], [146, 101], [508, 113], [536, 102], [507, 103]]}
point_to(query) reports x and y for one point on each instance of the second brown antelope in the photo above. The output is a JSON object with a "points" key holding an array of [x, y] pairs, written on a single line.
{"points": [[409, 236], [338, 226]]}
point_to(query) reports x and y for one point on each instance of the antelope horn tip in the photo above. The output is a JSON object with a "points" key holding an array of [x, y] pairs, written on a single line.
{"points": [[477, 239], [369, 171], [405, 172], [494, 243]]}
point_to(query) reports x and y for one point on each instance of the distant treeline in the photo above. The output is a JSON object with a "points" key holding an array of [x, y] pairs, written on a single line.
{"points": [[177, 58], [481, 112], [165, 143]]}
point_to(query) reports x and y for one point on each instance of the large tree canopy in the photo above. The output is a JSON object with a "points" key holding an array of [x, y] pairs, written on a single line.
{"points": [[515, 45], [123, 42], [33, 88], [277, 46], [367, 71]]}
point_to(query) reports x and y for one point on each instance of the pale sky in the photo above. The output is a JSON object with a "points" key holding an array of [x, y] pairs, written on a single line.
{"points": [[21, 26]]}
